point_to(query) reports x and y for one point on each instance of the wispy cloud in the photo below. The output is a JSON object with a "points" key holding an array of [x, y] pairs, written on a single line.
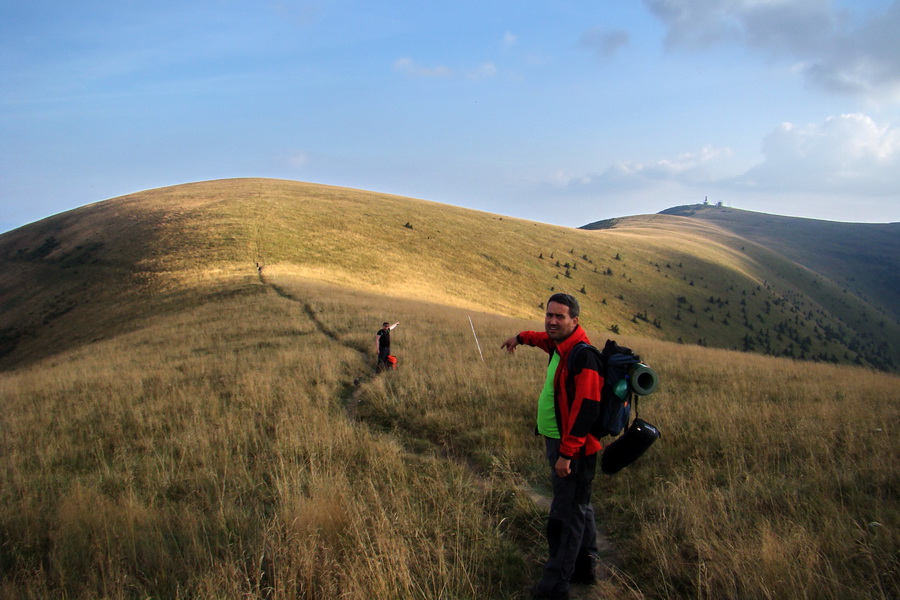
{"points": [[835, 54], [409, 67], [297, 160], [605, 43], [300, 13], [484, 70], [850, 154], [688, 168]]}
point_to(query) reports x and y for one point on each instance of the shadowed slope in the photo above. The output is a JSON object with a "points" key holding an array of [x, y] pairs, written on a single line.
{"points": [[862, 257]]}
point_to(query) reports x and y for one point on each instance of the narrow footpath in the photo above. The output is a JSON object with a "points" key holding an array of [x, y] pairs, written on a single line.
{"points": [[351, 389], [609, 562]]}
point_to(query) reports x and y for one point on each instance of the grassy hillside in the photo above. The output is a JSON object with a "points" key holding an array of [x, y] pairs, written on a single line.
{"points": [[235, 442], [861, 257], [823, 290], [72, 278]]}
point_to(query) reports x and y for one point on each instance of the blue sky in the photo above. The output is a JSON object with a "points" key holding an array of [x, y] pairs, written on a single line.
{"points": [[559, 111]]}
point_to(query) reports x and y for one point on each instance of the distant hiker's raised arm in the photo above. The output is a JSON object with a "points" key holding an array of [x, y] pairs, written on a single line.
{"points": [[510, 344]]}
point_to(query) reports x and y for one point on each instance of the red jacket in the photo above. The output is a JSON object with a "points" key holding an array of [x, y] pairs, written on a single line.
{"points": [[574, 415]]}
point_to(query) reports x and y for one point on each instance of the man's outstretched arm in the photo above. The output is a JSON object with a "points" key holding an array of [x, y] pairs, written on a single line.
{"points": [[510, 344], [538, 339]]}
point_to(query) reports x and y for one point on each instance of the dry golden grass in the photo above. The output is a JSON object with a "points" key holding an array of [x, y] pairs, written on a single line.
{"points": [[774, 479], [209, 455], [223, 450]]}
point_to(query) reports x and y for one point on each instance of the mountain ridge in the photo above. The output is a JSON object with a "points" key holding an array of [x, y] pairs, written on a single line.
{"points": [[78, 276], [861, 256]]}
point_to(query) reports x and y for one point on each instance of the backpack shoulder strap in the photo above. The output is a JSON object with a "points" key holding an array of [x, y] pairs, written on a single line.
{"points": [[576, 349], [570, 362], [572, 353]]}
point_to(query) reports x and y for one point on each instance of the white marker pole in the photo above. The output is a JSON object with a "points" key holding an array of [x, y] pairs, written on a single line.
{"points": [[476, 339]]}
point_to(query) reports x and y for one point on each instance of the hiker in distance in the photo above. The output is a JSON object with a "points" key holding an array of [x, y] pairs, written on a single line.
{"points": [[383, 345], [567, 406]]}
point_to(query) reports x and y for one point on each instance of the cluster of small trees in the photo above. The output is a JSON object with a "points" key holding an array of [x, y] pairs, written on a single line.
{"points": [[568, 267]]}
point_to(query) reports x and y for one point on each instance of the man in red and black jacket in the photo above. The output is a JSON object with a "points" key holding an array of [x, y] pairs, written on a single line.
{"points": [[567, 407]]}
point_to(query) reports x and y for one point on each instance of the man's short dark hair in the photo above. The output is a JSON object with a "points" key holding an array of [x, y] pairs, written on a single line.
{"points": [[567, 300]]}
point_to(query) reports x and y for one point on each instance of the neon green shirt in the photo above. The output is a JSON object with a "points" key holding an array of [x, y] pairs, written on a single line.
{"points": [[546, 413]]}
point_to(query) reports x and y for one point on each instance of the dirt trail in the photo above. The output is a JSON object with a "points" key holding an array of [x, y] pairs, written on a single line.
{"points": [[351, 391], [350, 397]]}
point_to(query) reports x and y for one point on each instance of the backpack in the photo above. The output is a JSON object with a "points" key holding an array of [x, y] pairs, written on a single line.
{"points": [[616, 394]]}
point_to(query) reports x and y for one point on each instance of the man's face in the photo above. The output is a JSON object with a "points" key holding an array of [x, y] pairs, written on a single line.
{"points": [[558, 323]]}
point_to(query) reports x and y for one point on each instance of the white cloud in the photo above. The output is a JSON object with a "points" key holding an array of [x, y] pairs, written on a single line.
{"points": [[510, 39], [689, 165], [848, 153], [689, 168], [836, 54]]}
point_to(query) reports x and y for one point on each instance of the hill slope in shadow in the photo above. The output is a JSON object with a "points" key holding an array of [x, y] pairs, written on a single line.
{"points": [[863, 257]]}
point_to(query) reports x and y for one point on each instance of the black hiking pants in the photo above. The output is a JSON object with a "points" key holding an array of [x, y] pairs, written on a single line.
{"points": [[571, 529], [383, 354]]}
